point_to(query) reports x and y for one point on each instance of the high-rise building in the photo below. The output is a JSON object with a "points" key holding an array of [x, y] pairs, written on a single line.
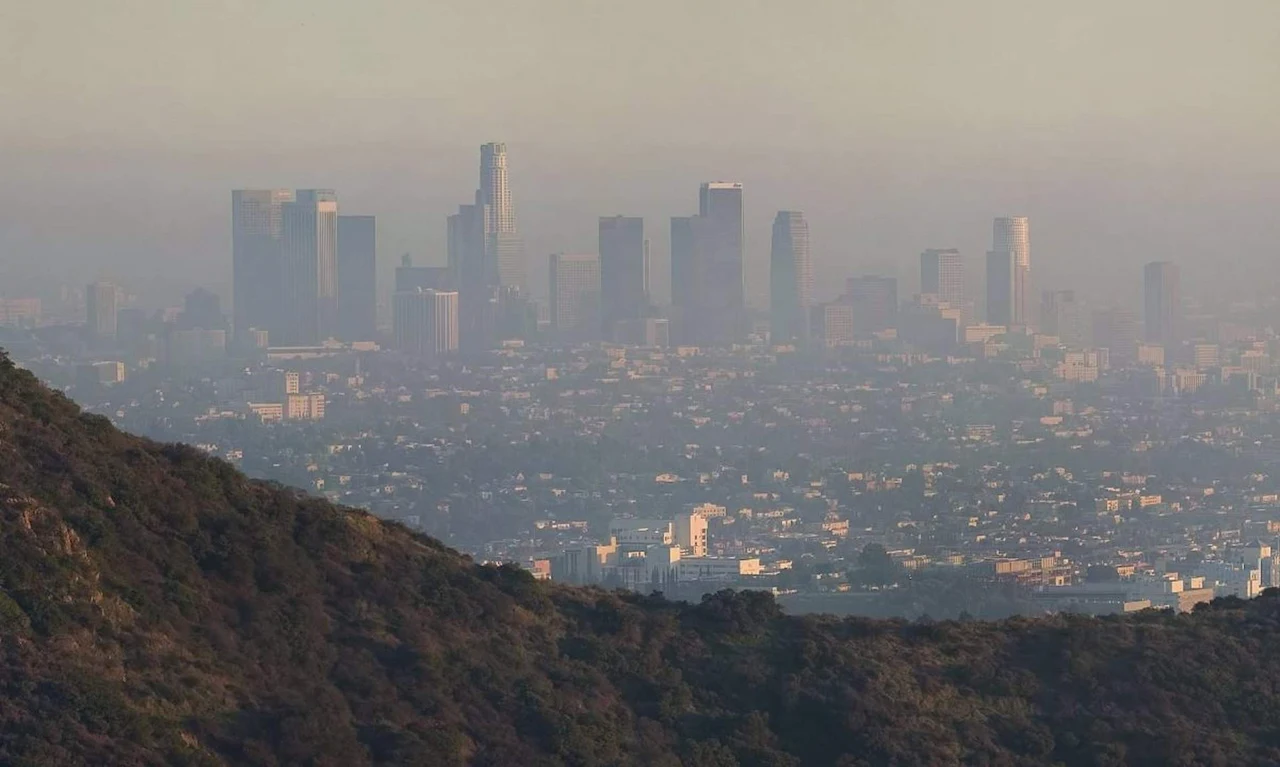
{"points": [[425, 322], [790, 278], [19, 312], [1205, 356], [942, 274], [624, 272], [503, 248], [309, 290], [575, 296], [930, 325], [102, 301], [687, 275], [1000, 288], [357, 278], [833, 324], [707, 267], [691, 532], [1009, 272], [486, 255], [515, 314], [1160, 288], [475, 281], [256, 272], [874, 300], [1117, 330], [1062, 315], [721, 244]]}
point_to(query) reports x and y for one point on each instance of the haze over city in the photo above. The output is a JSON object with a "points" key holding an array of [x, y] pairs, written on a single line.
{"points": [[1126, 132], [697, 382]]}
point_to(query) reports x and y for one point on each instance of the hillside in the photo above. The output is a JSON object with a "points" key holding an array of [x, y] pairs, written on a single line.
{"points": [[157, 607]]}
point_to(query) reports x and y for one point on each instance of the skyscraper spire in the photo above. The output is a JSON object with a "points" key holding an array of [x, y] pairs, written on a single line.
{"points": [[503, 249]]}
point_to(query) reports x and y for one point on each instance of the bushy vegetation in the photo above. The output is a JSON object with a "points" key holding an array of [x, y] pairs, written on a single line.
{"points": [[156, 607]]}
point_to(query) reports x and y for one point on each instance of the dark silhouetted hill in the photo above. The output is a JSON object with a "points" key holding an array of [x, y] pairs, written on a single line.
{"points": [[158, 608]]}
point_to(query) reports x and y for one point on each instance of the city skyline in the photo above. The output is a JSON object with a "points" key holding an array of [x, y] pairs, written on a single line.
{"points": [[262, 208], [1136, 134], [708, 305]]}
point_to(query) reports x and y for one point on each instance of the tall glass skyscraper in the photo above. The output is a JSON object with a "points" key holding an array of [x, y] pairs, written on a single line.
{"points": [[470, 275], [357, 278], [256, 272], [1009, 272], [309, 306], [503, 248], [624, 271], [720, 205], [486, 255], [790, 278], [1160, 288], [686, 275], [706, 266]]}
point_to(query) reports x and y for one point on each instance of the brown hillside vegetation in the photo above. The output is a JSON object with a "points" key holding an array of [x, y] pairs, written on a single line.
{"points": [[157, 607]]}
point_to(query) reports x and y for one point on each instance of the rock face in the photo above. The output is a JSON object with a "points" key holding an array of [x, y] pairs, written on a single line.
{"points": [[157, 607]]}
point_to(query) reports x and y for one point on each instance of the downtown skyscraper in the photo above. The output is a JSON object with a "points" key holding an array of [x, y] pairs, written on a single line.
{"points": [[790, 278], [1161, 286], [1062, 315], [707, 266], [575, 297], [102, 305], [425, 322], [257, 226], [309, 263], [624, 272], [1009, 272], [504, 251], [486, 256], [471, 275], [357, 278], [942, 275]]}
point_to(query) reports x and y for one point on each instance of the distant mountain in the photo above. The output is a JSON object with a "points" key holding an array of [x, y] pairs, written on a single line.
{"points": [[158, 608]]}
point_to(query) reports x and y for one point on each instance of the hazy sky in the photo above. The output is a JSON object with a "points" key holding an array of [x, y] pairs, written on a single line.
{"points": [[1127, 129]]}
